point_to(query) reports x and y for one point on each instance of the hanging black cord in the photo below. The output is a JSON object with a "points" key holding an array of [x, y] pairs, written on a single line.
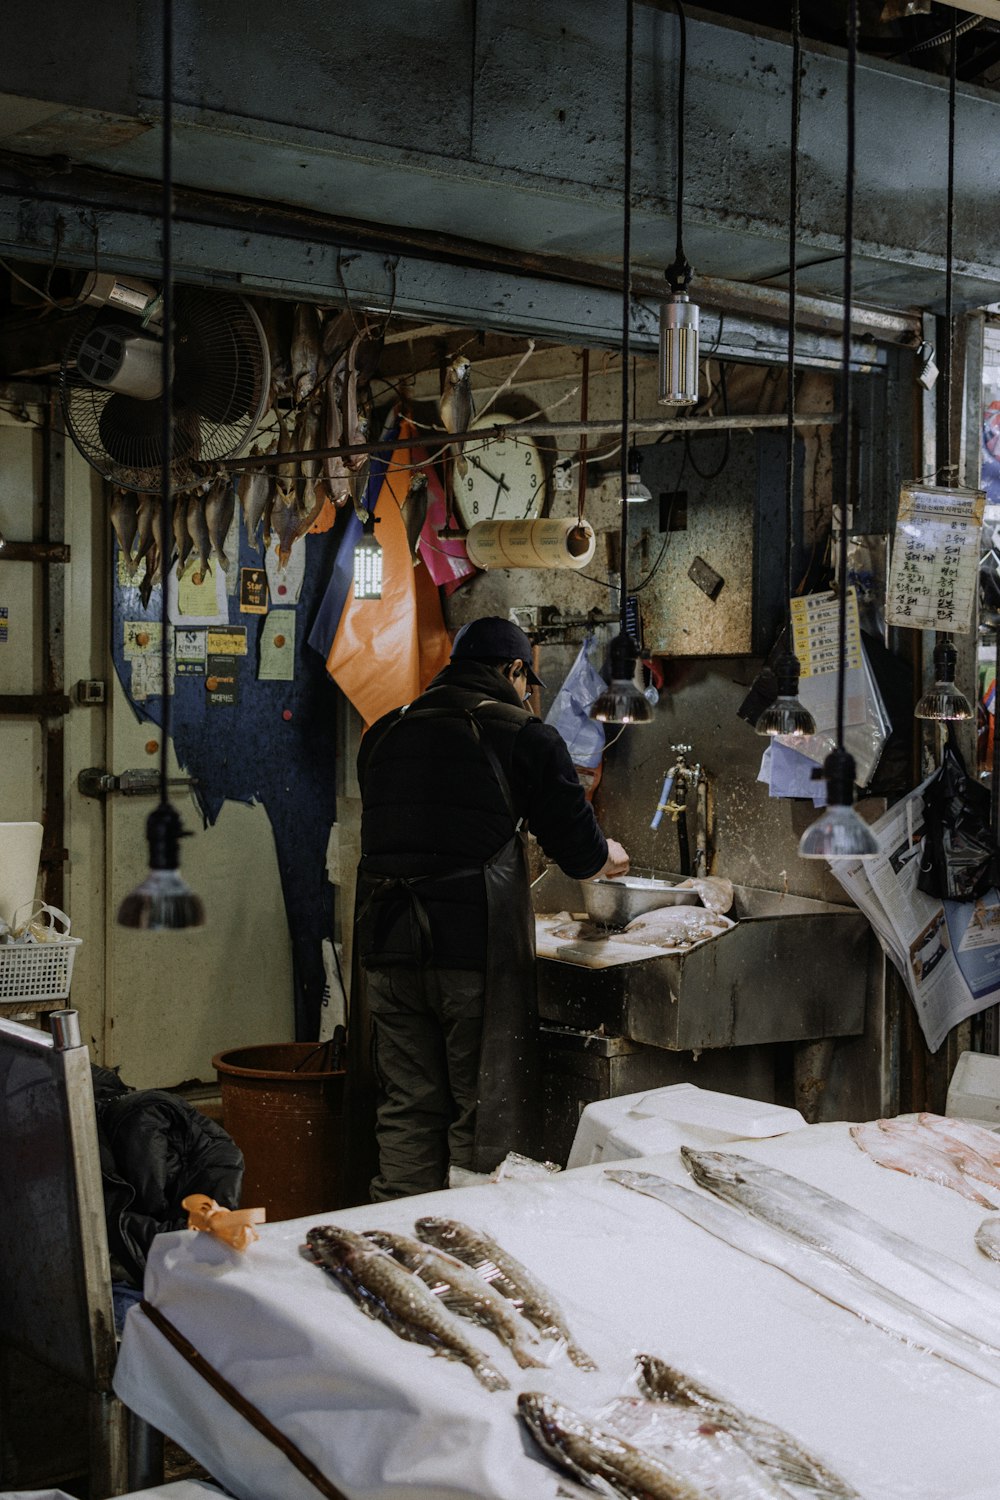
{"points": [[626, 301], [948, 257], [166, 360], [852, 69], [793, 226], [679, 272]]}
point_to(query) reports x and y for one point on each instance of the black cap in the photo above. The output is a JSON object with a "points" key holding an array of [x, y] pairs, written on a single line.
{"points": [[494, 639]]}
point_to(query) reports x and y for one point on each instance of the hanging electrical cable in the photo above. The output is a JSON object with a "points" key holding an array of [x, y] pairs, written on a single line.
{"points": [[679, 316], [787, 715], [623, 702], [943, 701], [164, 899], [839, 833]]}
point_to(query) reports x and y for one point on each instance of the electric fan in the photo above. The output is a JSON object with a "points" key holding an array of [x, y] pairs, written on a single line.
{"points": [[111, 388]]}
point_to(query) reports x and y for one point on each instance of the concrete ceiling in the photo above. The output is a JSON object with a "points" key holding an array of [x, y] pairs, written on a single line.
{"points": [[482, 122]]}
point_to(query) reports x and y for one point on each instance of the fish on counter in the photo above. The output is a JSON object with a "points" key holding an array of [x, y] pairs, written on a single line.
{"points": [[510, 1278], [388, 1292], [904, 1151], [767, 1233], [988, 1237], [768, 1445], [461, 1291], [598, 1457]]}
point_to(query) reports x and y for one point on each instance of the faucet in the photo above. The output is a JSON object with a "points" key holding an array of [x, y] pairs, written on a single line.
{"points": [[681, 782]]}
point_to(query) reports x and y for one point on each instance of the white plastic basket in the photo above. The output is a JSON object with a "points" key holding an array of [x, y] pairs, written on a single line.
{"points": [[37, 971]]}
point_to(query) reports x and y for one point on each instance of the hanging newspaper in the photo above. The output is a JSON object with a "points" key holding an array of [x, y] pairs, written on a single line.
{"points": [[947, 952], [935, 558]]}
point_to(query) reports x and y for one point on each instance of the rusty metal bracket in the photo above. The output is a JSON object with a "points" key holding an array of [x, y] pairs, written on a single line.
{"points": [[35, 705], [36, 552]]}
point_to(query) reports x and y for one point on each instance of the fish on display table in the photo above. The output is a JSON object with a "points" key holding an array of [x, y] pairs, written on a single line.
{"points": [[598, 1457], [905, 1151], [507, 1275], [775, 1450], [388, 1292], [985, 1142], [974, 1151], [767, 1228], [461, 1291], [988, 1237]]}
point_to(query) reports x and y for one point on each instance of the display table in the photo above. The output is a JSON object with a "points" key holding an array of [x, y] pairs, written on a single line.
{"points": [[384, 1419]]}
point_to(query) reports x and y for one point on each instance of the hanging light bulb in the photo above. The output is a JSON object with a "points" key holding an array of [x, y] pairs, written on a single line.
{"points": [[786, 715], [164, 900], [636, 493], [838, 833], [679, 317], [944, 701], [368, 564], [623, 702]]}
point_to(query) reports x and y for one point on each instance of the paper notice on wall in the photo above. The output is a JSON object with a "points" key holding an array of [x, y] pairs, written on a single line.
{"points": [[199, 596], [949, 974], [935, 558], [285, 583], [277, 647], [147, 674]]}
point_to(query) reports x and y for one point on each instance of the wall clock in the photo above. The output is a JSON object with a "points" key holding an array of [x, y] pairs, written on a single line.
{"points": [[505, 480]]}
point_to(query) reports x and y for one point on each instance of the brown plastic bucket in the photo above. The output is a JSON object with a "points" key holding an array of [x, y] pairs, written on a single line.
{"points": [[283, 1107]]}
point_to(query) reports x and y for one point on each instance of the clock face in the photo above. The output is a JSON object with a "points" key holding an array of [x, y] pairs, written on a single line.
{"points": [[504, 479]]}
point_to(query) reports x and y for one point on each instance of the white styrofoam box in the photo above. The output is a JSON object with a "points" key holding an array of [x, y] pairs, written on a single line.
{"points": [[974, 1091], [681, 1114]]}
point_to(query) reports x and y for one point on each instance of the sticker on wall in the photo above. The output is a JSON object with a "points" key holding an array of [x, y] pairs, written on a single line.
{"points": [[140, 638], [190, 652], [199, 596], [253, 591], [277, 647], [285, 583], [3, 623], [227, 640], [221, 681]]}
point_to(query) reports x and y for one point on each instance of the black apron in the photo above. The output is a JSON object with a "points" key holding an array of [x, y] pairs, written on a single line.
{"points": [[508, 1117]]}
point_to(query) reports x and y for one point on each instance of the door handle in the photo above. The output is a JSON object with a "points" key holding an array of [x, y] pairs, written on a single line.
{"points": [[138, 783]]}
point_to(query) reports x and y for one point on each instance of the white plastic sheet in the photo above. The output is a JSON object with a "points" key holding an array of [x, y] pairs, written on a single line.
{"points": [[385, 1420]]}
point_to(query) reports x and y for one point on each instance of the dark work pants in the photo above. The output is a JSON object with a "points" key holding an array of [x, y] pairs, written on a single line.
{"points": [[426, 1032]]}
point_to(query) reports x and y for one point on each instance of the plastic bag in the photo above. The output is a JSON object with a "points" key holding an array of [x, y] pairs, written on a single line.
{"points": [[960, 859], [569, 713]]}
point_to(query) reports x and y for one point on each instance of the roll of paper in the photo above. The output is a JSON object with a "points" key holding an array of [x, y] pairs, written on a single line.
{"points": [[565, 543], [20, 850]]}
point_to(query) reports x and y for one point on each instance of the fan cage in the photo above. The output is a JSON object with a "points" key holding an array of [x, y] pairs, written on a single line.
{"points": [[221, 390]]}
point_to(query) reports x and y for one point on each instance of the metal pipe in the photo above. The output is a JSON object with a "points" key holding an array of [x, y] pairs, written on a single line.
{"points": [[536, 429]]}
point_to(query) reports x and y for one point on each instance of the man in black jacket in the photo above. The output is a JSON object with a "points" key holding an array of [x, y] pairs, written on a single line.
{"points": [[445, 926]]}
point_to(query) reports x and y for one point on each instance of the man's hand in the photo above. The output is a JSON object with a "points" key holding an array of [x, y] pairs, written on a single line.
{"points": [[617, 862]]}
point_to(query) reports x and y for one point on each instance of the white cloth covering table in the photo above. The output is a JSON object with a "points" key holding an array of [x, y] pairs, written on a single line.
{"points": [[386, 1420]]}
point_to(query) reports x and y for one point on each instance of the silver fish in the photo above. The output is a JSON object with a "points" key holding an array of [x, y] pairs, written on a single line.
{"points": [[385, 1290], [286, 521], [198, 529], [144, 538], [125, 521], [305, 351], [776, 1244], [311, 500], [461, 1291], [220, 503], [256, 489], [510, 1278], [598, 1457], [988, 1237], [456, 407], [918, 1156], [766, 1444], [287, 470], [415, 511], [182, 537]]}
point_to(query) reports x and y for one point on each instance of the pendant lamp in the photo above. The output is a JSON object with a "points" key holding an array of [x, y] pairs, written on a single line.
{"points": [[786, 715], [839, 833], [623, 702], [678, 314], [164, 899], [943, 701]]}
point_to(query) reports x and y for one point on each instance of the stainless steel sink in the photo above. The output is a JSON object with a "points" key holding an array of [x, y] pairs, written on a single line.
{"points": [[791, 969]]}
